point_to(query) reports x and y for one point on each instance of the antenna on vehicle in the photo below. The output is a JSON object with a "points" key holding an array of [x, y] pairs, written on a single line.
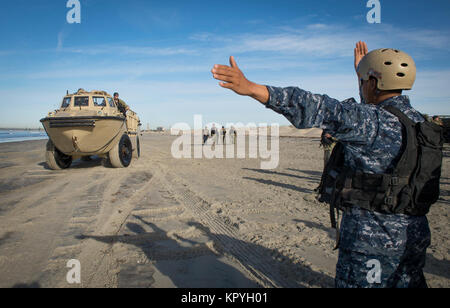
{"points": [[67, 92]]}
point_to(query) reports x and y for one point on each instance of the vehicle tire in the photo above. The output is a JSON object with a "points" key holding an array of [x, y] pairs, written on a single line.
{"points": [[121, 154], [56, 160], [106, 162]]}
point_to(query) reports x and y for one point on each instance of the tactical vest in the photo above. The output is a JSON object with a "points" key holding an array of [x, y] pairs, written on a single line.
{"points": [[410, 187]]}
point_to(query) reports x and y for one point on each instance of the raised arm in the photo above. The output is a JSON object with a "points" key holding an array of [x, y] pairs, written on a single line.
{"points": [[301, 108], [347, 120]]}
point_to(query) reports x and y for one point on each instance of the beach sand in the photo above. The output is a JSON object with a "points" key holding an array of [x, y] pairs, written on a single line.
{"points": [[166, 222]]}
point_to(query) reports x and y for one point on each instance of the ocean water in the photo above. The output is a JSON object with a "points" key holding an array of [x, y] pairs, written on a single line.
{"points": [[21, 135]]}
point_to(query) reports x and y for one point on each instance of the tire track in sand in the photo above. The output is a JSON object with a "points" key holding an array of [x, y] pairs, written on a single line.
{"points": [[95, 256], [269, 267], [258, 265]]}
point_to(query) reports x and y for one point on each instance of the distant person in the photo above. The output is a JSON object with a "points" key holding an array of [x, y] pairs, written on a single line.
{"points": [[224, 134], [123, 107], [437, 120], [233, 135], [205, 135], [214, 134]]}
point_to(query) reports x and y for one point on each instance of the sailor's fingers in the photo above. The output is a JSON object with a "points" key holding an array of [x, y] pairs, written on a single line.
{"points": [[219, 66], [365, 49], [362, 48], [226, 85], [224, 77], [359, 48], [224, 70], [233, 62]]}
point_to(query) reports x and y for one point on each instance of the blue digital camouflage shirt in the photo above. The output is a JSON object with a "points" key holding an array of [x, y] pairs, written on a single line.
{"points": [[372, 138]]}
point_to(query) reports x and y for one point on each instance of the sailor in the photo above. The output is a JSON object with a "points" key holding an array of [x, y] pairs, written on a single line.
{"points": [[437, 120], [123, 107], [377, 248], [214, 135], [205, 135], [233, 135], [224, 134]]}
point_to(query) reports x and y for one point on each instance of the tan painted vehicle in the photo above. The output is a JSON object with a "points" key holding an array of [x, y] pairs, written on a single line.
{"points": [[87, 124]]}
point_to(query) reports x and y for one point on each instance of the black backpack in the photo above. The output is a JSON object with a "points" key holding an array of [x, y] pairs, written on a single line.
{"points": [[410, 188]]}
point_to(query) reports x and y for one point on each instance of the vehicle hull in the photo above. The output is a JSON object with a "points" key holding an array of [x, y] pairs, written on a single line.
{"points": [[85, 135]]}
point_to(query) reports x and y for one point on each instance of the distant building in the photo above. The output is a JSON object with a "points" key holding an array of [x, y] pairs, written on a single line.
{"points": [[160, 129]]}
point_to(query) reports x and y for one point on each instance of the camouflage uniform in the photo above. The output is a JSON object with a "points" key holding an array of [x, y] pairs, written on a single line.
{"points": [[372, 138], [438, 122], [122, 104]]}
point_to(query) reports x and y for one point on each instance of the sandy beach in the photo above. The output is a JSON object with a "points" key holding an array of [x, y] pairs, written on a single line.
{"points": [[166, 222]]}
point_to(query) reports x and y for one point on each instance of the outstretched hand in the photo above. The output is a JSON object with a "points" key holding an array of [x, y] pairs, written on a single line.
{"points": [[360, 51], [232, 78]]}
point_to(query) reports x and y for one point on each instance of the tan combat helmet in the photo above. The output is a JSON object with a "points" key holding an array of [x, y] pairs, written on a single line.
{"points": [[394, 69]]}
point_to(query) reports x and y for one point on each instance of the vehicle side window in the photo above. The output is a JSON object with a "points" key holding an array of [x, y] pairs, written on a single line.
{"points": [[66, 102], [81, 101], [111, 102], [99, 101]]}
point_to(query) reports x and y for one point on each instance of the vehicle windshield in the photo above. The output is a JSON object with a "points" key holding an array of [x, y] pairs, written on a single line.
{"points": [[111, 102], [81, 101], [66, 102], [99, 101]]}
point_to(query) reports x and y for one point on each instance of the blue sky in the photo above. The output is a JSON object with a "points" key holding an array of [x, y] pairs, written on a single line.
{"points": [[158, 54]]}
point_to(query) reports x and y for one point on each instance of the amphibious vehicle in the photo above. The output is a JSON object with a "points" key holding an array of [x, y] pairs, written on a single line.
{"points": [[88, 124]]}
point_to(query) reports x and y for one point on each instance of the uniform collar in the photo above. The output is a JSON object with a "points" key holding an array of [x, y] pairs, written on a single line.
{"points": [[396, 101]]}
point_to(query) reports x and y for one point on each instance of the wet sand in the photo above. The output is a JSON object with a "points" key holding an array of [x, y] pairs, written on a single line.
{"points": [[166, 222]]}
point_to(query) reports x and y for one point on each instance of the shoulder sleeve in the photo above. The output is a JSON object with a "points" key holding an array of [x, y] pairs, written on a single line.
{"points": [[346, 121], [123, 103]]}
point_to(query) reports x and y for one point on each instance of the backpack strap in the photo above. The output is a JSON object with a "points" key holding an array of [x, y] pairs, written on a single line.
{"points": [[408, 158]]}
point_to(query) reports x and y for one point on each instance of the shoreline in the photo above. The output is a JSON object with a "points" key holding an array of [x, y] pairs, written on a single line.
{"points": [[21, 135], [20, 141]]}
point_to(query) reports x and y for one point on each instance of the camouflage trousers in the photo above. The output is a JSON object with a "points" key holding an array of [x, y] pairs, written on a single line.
{"points": [[382, 251]]}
